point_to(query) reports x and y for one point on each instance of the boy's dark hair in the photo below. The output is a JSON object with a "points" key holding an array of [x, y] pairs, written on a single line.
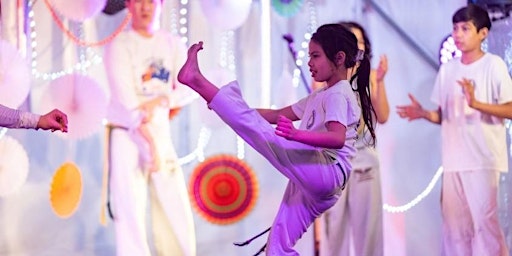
{"points": [[475, 14]]}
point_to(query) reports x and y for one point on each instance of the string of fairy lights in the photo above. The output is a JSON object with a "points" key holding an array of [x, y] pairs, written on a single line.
{"points": [[179, 18]]}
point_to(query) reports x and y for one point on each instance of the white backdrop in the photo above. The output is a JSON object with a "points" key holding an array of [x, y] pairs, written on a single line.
{"points": [[409, 153]]}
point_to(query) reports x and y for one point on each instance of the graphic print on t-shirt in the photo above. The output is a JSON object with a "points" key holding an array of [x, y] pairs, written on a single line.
{"points": [[156, 70]]}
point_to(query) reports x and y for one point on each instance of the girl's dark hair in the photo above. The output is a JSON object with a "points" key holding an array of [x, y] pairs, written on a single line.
{"points": [[475, 14], [367, 44], [334, 38]]}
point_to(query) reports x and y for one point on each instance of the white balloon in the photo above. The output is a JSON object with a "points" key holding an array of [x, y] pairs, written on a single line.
{"points": [[226, 14], [78, 10]]}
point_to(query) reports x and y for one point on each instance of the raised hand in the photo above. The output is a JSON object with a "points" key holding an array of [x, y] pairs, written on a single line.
{"points": [[382, 69], [468, 89]]}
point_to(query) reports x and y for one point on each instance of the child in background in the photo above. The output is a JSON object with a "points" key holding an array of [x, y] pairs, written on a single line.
{"points": [[474, 95]]}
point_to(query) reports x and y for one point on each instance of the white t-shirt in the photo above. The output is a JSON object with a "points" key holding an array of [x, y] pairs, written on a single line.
{"points": [[141, 68], [472, 140], [335, 103]]}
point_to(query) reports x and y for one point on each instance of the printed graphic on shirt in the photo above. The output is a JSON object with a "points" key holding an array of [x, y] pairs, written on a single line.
{"points": [[156, 70]]}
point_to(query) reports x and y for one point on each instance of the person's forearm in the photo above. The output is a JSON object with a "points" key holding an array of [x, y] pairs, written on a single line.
{"points": [[433, 116], [320, 139], [380, 103], [13, 118], [498, 110], [271, 115]]}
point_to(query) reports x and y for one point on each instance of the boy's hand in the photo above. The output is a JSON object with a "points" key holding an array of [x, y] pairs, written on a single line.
{"points": [[412, 111], [468, 89]]}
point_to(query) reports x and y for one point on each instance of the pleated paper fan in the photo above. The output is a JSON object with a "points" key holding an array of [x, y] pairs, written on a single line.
{"points": [[13, 166], [66, 190], [287, 8], [78, 10], [14, 76], [223, 189], [82, 99]]}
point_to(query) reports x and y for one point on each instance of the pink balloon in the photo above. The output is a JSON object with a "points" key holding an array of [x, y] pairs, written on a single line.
{"points": [[226, 14]]}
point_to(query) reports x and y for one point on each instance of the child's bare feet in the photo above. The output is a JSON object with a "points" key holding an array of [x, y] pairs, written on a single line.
{"points": [[191, 76], [190, 69]]}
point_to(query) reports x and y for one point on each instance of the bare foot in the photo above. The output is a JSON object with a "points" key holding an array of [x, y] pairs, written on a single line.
{"points": [[190, 69], [191, 76]]}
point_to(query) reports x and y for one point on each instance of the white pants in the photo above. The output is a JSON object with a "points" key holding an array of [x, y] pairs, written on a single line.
{"points": [[469, 203], [355, 221], [315, 180], [171, 216]]}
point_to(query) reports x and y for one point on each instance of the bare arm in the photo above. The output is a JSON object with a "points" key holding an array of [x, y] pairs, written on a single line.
{"points": [[378, 91], [333, 138], [415, 111], [272, 115]]}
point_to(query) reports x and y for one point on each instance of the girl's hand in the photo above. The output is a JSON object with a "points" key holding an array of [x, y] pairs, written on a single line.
{"points": [[382, 69], [285, 128]]}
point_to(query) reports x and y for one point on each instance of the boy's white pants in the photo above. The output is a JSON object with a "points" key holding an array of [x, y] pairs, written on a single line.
{"points": [[354, 223], [166, 193], [315, 180], [469, 203]]}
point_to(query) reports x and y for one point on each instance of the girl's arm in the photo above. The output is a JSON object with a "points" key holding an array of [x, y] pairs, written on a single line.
{"points": [[272, 115], [333, 138], [379, 98]]}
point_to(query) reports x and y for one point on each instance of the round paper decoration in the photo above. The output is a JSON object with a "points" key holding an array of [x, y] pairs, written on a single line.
{"points": [[287, 8], [66, 190], [78, 10], [226, 14], [114, 6], [13, 166], [82, 99], [14, 76], [223, 189]]}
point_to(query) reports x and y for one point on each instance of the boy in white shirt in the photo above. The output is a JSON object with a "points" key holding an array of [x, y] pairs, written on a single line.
{"points": [[474, 95]]}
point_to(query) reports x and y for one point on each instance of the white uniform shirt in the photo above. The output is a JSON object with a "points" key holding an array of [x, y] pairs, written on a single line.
{"points": [[142, 68], [472, 140], [336, 103]]}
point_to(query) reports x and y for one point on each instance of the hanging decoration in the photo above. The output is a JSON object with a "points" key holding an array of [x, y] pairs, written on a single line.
{"points": [[77, 10], [13, 166], [226, 14], [66, 190], [82, 99], [81, 42], [223, 189], [114, 6], [287, 8], [14, 76]]}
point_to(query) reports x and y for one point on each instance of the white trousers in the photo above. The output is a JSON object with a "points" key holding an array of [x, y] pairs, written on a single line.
{"points": [[469, 204], [354, 224], [315, 180], [164, 192]]}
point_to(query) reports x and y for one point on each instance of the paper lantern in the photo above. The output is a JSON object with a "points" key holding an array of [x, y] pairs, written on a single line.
{"points": [[226, 14], [78, 10], [14, 76]]}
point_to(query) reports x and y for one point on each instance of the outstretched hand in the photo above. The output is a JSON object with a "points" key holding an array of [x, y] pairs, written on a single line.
{"points": [[412, 111], [53, 120], [285, 128]]}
